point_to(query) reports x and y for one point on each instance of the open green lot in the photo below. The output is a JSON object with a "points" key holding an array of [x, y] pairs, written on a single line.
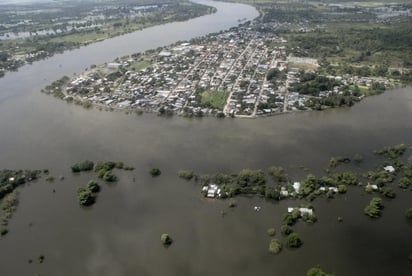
{"points": [[215, 99]]}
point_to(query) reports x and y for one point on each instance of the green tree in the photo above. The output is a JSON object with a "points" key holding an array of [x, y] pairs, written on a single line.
{"points": [[271, 232], [104, 166], [272, 193], [185, 174], [278, 174], [93, 186], [404, 182], [155, 172], [86, 165], [286, 230], [408, 214], [275, 246], [85, 197], [308, 185], [249, 177], [373, 210], [109, 176], [342, 188], [346, 178], [166, 239], [317, 271], [289, 219], [293, 241], [388, 192]]}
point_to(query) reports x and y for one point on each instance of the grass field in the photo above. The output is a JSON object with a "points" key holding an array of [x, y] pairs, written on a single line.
{"points": [[216, 99], [139, 65]]}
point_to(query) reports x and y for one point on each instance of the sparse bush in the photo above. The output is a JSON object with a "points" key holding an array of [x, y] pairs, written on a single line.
{"points": [[271, 232], [166, 239], [155, 172], [185, 174]]}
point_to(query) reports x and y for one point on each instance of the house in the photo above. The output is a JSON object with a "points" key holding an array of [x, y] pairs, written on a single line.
{"points": [[302, 210], [296, 186], [390, 169], [372, 186], [284, 192], [333, 189], [113, 65], [124, 104], [212, 190]]}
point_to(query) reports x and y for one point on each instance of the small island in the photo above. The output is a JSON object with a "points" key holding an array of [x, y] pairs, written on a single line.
{"points": [[293, 57], [166, 239]]}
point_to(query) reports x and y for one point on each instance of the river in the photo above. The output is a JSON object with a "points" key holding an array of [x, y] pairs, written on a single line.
{"points": [[120, 234]]}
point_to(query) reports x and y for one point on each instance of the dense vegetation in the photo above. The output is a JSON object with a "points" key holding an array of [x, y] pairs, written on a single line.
{"points": [[349, 39], [277, 184], [87, 196], [104, 170], [83, 166], [185, 174], [293, 241], [56, 87], [9, 181], [392, 152], [335, 181]]}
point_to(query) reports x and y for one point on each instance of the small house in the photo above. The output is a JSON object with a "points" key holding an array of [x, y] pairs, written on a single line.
{"points": [[390, 169]]}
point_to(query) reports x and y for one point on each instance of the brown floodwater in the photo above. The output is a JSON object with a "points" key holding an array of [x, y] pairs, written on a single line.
{"points": [[120, 234]]}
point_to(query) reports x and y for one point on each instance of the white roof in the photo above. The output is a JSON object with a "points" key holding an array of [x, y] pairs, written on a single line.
{"points": [[389, 169], [296, 186]]}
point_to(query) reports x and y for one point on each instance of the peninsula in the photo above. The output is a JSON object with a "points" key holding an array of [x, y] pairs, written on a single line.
{"points": [[260, 68]]}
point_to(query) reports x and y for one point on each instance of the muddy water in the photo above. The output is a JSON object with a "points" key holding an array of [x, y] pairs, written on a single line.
{"points": [[120, 234]]}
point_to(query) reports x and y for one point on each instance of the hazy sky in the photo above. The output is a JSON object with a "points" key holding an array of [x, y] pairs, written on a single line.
{"points": [[21, 1], [24, 1]]}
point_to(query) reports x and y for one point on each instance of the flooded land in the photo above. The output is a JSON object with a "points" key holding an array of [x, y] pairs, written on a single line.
{"points": [[51, 234]]}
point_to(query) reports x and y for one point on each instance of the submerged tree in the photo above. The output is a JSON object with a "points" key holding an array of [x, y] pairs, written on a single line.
{"points": [[166, 239]]}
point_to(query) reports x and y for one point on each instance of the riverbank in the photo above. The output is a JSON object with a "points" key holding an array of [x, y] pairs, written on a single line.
{"points": [[25, 43], [242, 73]]}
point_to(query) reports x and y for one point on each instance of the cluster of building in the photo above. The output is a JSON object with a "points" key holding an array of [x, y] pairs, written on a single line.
{"points": [[234, 63], [229, 73], [211, 191], [302, 210]]}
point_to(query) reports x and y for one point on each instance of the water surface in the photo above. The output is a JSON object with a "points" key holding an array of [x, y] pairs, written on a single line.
{"points": [[120, 234]]}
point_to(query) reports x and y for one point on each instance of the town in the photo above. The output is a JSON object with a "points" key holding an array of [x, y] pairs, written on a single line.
{"points": [[242, 72]]}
